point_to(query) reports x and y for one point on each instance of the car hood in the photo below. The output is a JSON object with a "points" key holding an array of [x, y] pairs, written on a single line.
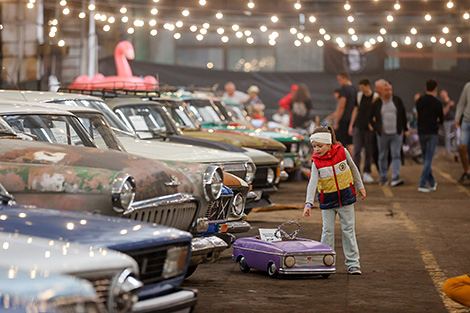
{"points": [[150, 175], [299, 245], [179, 152], [278, 135], [86, 228], [29, 253], [261, 158], [211, 142], [239, 139]]}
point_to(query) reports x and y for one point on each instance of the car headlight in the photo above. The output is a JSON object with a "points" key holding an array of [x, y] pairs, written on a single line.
{"points": [[289, 261], [238, 205], [213, 182], [278, 155], [175, 262], [270, 176], [294, 147], [123, 192], [123, 292], [202, 225], [329, 259], [250, 172]]}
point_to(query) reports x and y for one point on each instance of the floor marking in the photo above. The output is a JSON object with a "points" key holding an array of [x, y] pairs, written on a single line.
{"points": [[387, 192], [437, 275], [452, 180]]}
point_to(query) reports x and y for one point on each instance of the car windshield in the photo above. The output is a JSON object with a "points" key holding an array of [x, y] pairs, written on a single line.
{"points": [[183, 118], [100, 131], [148, 121], [236, 111], [60, 129], [99, 105], [204, 111]]}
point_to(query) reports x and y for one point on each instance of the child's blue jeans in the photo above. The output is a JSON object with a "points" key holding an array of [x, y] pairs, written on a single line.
{"points": [[346, 217]]}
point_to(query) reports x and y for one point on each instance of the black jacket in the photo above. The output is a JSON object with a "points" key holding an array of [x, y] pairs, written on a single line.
{"points": [[376, 116]]}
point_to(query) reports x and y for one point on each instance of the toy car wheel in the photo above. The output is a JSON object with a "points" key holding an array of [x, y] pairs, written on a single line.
{"points": [[243, 266], [325, 276], [272, 270], [190, 271]]}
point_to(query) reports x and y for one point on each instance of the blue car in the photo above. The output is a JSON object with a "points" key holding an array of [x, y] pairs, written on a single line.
{"points": [[161, 252]]}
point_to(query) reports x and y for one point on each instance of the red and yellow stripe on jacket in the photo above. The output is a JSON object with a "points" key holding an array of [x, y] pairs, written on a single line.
{"points": [[335, 180]]}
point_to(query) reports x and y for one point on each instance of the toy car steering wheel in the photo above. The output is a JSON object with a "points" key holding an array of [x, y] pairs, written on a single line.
{"points": [[281, 233]]}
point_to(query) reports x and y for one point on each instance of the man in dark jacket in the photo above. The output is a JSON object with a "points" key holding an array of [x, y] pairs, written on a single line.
{"points": [[430, 116], [388, 119]]}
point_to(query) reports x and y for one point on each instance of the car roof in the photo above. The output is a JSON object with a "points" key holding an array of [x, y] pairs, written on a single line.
{"points": [[23, 107], [118, 102], [63, 107], [40, 96]]}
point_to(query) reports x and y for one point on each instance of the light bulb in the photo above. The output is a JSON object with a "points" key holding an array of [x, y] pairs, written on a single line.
{"points": [[449, 43], [293, 31], [219, 15], [312, 19], [428, 17], [320, 43], [235, 27], [351, 31], [347, 6], [466, 15], [193, 28], [383, 31], [350, 18], [177, 36], [297, 5], [274, 19], [458, 39], [202, 2], [106, 28], [413, 31], [394, 44], [251, 4], [82, 15], [199, 37], [390, 18], [445, 30], [419, 45], [367, 44], [297, 43], [397, 5], [224, 39], [263, 28], [220, 30], [322, 31], [123, 10], [354, 38], [433, 39], [327, 37], [450, 5], [250, 40], [154, 32], [307, 39], [185, 12], [380, 39]]}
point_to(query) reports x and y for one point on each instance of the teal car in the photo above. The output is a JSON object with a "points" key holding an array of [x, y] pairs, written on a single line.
{"points": [[213, 114]]}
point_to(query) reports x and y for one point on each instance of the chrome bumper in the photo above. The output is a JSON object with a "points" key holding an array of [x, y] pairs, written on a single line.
{"points": [[180, 301], [305, 271], [284, 175], [206, 249], [238, 227]]}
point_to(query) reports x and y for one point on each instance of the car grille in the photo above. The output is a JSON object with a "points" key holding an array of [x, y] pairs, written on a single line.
{"points": [[88, 306], [237, 169], [219, 209], [102, 286], [178, 215], [314, 260], [261, 175], [151, 262]]}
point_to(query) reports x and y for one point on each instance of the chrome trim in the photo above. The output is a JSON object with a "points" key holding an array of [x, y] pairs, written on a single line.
{"points": [[206, 249], [177, 198], [253, 250], [116, 190], [208, 180], [233, 203], [123, 285], [175, 182], [303, 271], [176, 301], [238, 227], [284, 175], [251, 196]]}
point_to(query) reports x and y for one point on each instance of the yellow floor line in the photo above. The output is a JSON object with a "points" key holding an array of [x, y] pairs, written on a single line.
{"points": [[452, 180], [437, 275], [387, 192]]}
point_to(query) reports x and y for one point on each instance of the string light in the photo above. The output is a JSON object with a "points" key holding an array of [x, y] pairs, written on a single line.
{"points": [[433, 39], [124, 19], [466, 15], [320, 43], [154, 32], [327, 37], [106, 28], [390, 18], [130, 30], [179, 24], [63, 3], [372, 41], [247, 33], [307, 39], [219, 15], [66, 11], [224, 39], [263, 28], [193, 28], [397, 5], [458, 39], [300, 36], [351, 31], [383, 31], [82, 15], [177, 36], [251, 4], [450, 4], [322, 31], [203, 31], [199, 37], [202, 2], [30, 5], [350, 18], [354, 38], [312, 19], [449, 43], [154, 11], [123, 10], [428, 17], [380, 39], [274, 19], [111, 20], [413, 31], [347, 6], [91, 7], [152, 23], [293, 30], [235, 27], [206, 25], [407, 40], [394, 44], [185, 12], [297, 5], [419, 45], [442, 40], [445, 30], [297, 43], [250, 40], [367, 44], [61, 43], [239, 34]]}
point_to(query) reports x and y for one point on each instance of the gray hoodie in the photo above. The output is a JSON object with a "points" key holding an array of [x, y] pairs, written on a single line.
{"points": [[463, 106]]}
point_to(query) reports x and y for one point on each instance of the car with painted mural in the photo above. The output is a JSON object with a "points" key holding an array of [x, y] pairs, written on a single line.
{"points": [[162, 253], [211, 116], [110, 183], [107, 270], [21, 114], [35, 291]]}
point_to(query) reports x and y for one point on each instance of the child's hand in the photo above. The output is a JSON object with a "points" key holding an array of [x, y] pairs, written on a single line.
{"points": [[307, 210], [363, 193]]}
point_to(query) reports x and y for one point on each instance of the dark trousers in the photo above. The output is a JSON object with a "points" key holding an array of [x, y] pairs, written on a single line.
{"points": [[362, 139]]}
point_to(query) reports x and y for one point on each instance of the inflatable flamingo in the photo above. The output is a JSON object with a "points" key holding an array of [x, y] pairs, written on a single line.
{"points": [[124, 79]]}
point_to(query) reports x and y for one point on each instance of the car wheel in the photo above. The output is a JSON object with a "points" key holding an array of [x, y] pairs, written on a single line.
{"points": [[325, 276], [243, 266], [190, 271], [272, 270]]}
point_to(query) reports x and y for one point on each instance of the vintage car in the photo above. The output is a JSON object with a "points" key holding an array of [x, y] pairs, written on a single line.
{"points": [[18, 114], [162, 253], [212, 117], [112, 273], [34, 291], [284, 255], [110, 183]]}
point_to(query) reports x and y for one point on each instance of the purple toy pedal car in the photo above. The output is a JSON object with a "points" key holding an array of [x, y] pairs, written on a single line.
{"points": [[286, 254]]}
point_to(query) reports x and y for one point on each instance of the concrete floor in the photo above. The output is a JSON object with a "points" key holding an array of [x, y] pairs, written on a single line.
{"points": [[409, 243]]}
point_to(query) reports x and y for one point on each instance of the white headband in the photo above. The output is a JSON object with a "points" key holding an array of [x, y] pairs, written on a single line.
{"points": [[321, 138]]}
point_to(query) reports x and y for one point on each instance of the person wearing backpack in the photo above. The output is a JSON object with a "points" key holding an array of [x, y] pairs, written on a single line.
{"points": [[360, 130]]}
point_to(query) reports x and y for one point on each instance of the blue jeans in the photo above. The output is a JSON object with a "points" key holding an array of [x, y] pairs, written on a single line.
{"points": [[465, 134], [393, 144], [346, 217], [428, 145]]}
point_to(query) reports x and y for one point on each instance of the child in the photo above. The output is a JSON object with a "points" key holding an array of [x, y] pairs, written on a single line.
{"points": [[336, 175]]}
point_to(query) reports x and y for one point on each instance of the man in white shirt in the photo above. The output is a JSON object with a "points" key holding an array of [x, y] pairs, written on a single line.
{"points": [[232, 93]]}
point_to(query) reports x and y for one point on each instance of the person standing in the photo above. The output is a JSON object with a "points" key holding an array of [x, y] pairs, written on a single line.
{"points": [[333, 198], [346, 102], [301, 107], [462, 120], [388, 120], [449, 117], [359, 128], [232, 93], [430, 116]]}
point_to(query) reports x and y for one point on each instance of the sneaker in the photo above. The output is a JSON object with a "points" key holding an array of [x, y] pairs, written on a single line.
{"points": [[465, 177], [353, 270], [367, 178], [434, 188], [383, 183], [424, 189], [397, 182]]}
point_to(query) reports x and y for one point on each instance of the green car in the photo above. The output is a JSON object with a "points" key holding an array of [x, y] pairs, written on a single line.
{"points": [[212, 114]]}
